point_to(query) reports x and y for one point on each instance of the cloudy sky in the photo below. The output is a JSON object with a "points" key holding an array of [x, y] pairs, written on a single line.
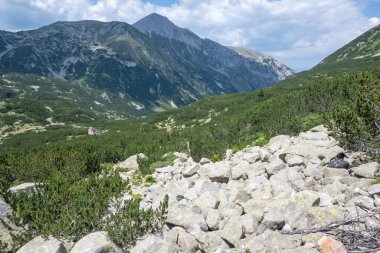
{"points": [[299, 33]]}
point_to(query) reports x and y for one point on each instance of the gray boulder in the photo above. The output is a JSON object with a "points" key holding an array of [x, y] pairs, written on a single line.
{"points": [[270, 241], [190, 170], [274, 220], [131, 162], [44, 245], [233, 230], [206, 202], [331, 172], [96, 242], [183, 216], [5, 209], [368, 170], [152, 244], [275, 166], [23, 188], [217, 172], [374, 189]]}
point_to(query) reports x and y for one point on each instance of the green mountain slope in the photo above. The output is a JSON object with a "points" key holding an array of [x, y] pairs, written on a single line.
{"points": [[361, 53]]}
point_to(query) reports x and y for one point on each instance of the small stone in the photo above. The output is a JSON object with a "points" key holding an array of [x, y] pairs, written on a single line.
{"points": [[329, 245]]}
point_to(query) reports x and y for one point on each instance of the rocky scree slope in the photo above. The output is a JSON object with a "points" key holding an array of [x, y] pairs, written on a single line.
{"points": [[254, 199], [281, 69], [153, 63]]}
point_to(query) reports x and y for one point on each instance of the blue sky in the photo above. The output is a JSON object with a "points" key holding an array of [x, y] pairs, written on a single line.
{"points": [[299, 33]]}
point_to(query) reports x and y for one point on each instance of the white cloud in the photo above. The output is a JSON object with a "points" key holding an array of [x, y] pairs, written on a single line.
{"points": [[298, 32]]}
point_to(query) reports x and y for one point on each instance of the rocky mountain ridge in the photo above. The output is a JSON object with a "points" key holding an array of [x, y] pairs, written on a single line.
{"points": [[281, 69], [260, 199], [153, 63]]}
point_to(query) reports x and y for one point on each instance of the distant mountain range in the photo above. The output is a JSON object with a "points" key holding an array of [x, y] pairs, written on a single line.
{"points": [[148, 66]]}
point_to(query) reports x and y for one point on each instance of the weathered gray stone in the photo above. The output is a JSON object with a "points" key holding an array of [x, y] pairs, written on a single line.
{"points": [[217, 172], [321, 216], [331, 172], [131, 162], [274, 220], [151, 244], [230, 209], [23, 188], [186, 242], [314, 170], [204, 161], [212, 219], [368, 170], [206, 202], [325, 200], [190, 170], [264, 155], [5, 209], [374, 189], [294, 160], [275, 166], [43, 245], [183, 216], [270, 241], [315, 136], [251, 157], [320, 128], [233, 230], [97, 242], [240, 170]]}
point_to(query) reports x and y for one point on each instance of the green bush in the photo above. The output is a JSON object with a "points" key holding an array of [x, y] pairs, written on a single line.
{"points": [[130, 222], [215, 158]]}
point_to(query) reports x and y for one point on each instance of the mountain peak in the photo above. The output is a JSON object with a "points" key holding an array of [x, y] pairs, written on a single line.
{"points": [[155, 23], [162, 26]]}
